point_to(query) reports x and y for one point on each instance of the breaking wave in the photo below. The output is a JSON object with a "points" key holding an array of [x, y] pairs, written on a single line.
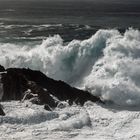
{"points": [[56, 59], [107, 64]]}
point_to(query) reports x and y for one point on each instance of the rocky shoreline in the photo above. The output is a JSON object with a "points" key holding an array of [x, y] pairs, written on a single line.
{"points": [[21, 84]]}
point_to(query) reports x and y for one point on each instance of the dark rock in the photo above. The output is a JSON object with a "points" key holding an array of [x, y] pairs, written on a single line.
{"points": [[35, 100], [14, 85], [16, 81], [2, 69], [47, 107], [1, 111], [43, 95]]}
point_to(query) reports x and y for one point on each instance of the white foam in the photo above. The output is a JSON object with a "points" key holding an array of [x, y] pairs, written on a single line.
{"points": [[107, 64], [92, 121], [115, 77], [66, 62], [77, 121]]}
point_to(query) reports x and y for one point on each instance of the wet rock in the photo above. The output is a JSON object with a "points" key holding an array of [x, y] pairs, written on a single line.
{"points": [[43, 95], [47, 107], [17, 81], [14, 85], [2, 69], [1, 111]]}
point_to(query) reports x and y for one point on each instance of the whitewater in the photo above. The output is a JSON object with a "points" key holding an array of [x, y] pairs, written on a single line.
{"points": [[107, 65]]}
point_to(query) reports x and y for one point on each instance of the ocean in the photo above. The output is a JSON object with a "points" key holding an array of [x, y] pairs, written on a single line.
{"points": [[93, 45], [33, 20], [75, 41]]}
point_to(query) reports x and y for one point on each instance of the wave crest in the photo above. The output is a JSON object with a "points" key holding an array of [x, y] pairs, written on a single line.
{"points": [[115, 77], [107, 64], [60, 61]]}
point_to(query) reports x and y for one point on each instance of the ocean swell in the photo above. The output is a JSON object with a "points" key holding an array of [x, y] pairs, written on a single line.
{"points": [[107, 64]]}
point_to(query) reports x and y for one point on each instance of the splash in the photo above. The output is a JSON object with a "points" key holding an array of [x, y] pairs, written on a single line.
{"points": [[107, 64], [116, 76], [68, 62]]}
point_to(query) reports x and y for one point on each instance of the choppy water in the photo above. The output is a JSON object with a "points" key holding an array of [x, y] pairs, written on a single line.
{"points": [[32, 20], [109, 13]]}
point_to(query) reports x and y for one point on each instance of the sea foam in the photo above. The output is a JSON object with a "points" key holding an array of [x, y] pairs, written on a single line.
{"points": [[57, 60], [116, 76], [107, 64]]}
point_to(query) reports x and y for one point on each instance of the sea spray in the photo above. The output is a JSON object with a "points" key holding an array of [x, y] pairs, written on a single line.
{"points": [[107, 64], [115, 77], [69, 62]]}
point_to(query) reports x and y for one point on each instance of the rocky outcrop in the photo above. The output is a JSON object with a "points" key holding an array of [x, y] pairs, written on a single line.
{"points": [[17, 81], [44, 96], [1, 111], [2, 68], [14, 85]]}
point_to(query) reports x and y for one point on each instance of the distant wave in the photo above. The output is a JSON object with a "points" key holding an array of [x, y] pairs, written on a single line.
{"points": [[43, 26], [10, 26], [107, 64], [8, 10]]}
